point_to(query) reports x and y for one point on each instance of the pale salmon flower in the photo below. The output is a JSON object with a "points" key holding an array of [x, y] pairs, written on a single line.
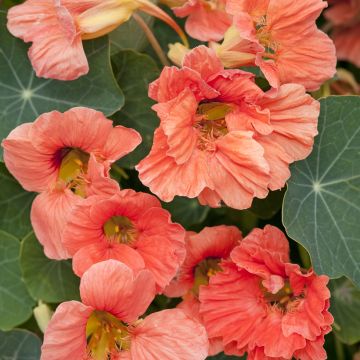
{"points": [[130, 227], [66, 157], [219, 125], [106, 324], [206, 20], [204, 252], [57, 28], [281, 37], [262, 304], [344, 16]]}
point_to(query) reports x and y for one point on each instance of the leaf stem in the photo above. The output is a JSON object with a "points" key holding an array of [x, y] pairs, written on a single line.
{"points": [[339, 349], [152, 39], [305, 258], [120, 171]]}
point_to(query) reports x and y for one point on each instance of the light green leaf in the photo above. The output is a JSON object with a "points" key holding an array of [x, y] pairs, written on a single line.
{"points": [[322, 203], [345, 306], [15, 302], [15, 204], [23, 96], [134, 72], [186, 211], [19, 345], [48, 280]]}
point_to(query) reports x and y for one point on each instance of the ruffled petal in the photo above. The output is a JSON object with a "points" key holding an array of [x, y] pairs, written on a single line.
{"points": [[49, 214], [161, 245], [169, 335], [314, 350], [65, 336], [113, 287]]}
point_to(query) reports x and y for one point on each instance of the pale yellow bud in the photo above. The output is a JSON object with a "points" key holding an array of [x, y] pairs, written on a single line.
{"points": [[177, 53]]}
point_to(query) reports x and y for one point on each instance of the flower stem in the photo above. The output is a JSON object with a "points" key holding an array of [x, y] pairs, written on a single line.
{"points": [[339, 349], [152, 39]]}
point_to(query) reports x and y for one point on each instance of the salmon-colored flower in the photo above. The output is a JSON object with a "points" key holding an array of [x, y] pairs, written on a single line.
{"points": [[281, 37], [106, 324], [66, 157], [263, 304], [344, 15], [57, 28], [219, 125], [130, 227], [204, 252], [206, 20]]}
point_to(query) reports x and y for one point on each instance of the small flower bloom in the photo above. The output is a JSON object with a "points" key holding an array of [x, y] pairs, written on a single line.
{"points": [[105, 324], [204, 252], [207, 20], [281, 37], [219, 125], [66, 157], [130, 227], [57, 28], [263, 304], [344, 15]]}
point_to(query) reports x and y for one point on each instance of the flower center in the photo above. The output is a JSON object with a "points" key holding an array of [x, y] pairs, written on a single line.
{"points": [[73, 167], [119, 229], [106, 335], [212, 123], [264, 36], [203, 271]]}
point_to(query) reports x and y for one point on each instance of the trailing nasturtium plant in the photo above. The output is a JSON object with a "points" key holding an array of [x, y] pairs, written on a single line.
{"points": [[180, 180]]}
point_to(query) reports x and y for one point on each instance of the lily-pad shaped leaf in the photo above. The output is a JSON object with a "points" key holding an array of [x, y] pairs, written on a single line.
{"points": [[48, 280], [15, 301], [19, 345], [24, 96], [15, 204], [134, 72], [322, 203], [345, 305]]}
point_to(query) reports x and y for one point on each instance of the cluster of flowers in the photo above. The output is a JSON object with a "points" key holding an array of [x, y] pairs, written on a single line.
{"points": [[221, 139]]}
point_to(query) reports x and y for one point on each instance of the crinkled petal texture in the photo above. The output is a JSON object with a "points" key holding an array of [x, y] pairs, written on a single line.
{"points": [[32, 152], [169, 335], [212, 242], [204, 23], [239, 141], [57, 50], [265, 305], [113, 287], [65, 336], [155, 242]]}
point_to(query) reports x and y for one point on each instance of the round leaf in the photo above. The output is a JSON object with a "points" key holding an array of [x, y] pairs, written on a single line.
{"points": [[345, 305], [23, 96], [15, 204], [19, 345], [48, 280], [134, 72], [322, 203], [15, 302]]}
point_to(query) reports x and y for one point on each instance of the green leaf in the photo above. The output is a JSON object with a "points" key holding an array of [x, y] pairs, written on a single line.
{"points": [[322, 203], [345, 305], [23, 96], [134, 72], [15, 204], [15, 302], [186, 211], [19, 345], [129, 35], [48, 280], [266, 208], [222, 356]]}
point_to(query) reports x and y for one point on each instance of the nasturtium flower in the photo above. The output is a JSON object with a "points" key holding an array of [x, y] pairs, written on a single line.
{"points": [[262, 304], [204, 252], [65, 157], [206, 20], [130, 227], [281, 37], [106, 324], [221, 138], [344, 16], [57, 28]]}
